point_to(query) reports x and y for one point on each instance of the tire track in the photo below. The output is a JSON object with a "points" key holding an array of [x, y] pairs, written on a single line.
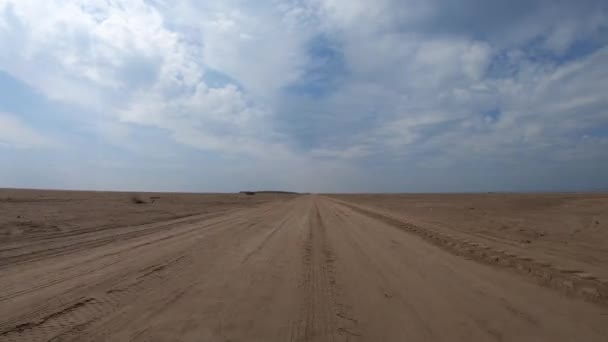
{"points": [[86, 240], [75, 316], [215, 266], [69, 314], [384, 280], [307, 270], [570, 282], [78, 269], [322, 316], [267, 237]]}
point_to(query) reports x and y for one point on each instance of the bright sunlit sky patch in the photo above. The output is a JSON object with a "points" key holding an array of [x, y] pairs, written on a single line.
{"points": [[320, 95]]}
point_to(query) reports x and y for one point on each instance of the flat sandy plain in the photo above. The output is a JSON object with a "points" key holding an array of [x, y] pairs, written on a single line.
{"points": [[96, 266]]}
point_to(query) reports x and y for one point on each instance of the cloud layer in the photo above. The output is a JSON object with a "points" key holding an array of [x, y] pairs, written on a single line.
{"points": [[324, 95]]}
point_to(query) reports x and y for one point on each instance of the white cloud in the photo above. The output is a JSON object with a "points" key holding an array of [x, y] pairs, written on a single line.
{"points": [[434, 91], [89, 53], [415, 80], [260, 45], [78, 51], [352, 152], [15, 133]]}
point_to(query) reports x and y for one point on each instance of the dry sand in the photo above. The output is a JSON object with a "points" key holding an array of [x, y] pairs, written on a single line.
{"points": [[97, 267]]}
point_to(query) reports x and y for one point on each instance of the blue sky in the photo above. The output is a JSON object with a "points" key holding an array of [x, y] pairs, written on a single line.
{"points": [[319, 95]]}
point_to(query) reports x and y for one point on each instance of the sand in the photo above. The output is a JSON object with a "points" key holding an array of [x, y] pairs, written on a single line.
{"points": [[88, 266]]}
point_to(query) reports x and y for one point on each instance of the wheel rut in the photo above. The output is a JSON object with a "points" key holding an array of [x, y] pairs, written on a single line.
{"points": [[312, 269], [71, 318], [71, 314], [575, 283], [322, 315]]}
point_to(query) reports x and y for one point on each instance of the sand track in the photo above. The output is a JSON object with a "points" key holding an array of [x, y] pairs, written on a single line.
{"points": [[306, 269]]}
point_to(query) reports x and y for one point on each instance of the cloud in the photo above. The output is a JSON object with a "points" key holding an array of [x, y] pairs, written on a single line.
{"points": [[16, 134], [297, 89]]}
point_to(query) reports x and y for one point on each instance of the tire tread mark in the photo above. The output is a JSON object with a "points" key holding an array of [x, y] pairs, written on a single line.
{"points": [[322, 317], [570, 282], [73, 318]]}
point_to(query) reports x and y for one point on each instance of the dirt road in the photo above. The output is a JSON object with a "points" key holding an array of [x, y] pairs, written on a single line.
{"points": [[306, 269]]}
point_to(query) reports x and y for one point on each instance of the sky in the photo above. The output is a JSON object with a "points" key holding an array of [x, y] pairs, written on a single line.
{"points": [[314, 96]]}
